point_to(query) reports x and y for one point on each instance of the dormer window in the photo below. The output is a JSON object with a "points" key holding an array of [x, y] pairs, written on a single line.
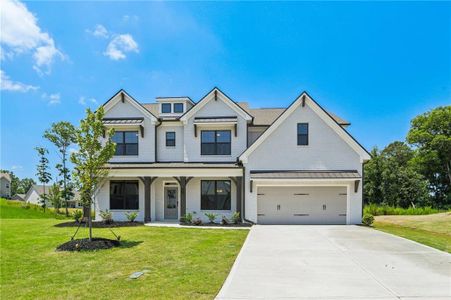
{"points": [[178, 107], [166, 108]]}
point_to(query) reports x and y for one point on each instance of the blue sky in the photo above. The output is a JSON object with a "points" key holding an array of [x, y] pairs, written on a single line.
{"points": [[374, 64]]}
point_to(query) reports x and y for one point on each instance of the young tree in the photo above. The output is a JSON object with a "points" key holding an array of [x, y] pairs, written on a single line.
{"points": [[94, 152], [42, 172], [62, 135], [430, 133], [54, 196]]}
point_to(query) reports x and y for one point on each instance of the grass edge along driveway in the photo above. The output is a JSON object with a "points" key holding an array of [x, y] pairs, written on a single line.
{"points": [[183, 263], [432, 230]]}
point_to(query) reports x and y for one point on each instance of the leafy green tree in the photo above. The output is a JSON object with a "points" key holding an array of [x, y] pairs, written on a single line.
{"points": [[390, 178], [24, 185], [42, 172], [430, 133], [94, 152], [54, 196], [62, 135]]}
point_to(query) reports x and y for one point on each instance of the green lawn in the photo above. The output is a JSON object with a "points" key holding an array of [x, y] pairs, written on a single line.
{"points": [[183, 263], [432, 230]]}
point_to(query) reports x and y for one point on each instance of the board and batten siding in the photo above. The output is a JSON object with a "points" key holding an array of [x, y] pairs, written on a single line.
{"points": [[211, 109], [146, 144], [326, 150], [168, 154]]}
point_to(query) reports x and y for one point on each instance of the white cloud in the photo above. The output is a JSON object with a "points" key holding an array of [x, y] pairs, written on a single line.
{"points": [[15, 167], [52, 98], [6, 84], [130, 18], [85, 101], [21, 34], [99, 31], [120, 45], [73, 150]]}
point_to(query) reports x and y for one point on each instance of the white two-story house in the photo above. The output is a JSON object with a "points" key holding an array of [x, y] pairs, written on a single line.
{"points": [[297, 165]]}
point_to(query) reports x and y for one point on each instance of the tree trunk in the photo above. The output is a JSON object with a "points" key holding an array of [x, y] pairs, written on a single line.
{"points": [[64, 182], [90, 225], [86, 213], [44, 199]]}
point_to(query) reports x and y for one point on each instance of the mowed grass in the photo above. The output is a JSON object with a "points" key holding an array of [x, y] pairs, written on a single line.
{"points": [[183, 263], [10, 209], [432, 230]]}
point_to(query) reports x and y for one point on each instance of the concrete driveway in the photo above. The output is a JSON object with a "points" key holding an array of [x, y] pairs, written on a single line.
{"points": [[336, 262]]}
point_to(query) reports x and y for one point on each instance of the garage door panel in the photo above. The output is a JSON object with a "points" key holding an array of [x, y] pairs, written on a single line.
{"points": [[301, 205]]}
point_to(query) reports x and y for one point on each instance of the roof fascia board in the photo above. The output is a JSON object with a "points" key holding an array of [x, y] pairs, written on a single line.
{"points": [[115, 99], [227, 100]]}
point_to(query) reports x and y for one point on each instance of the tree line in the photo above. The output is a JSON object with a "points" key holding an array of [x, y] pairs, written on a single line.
{"points": [[417, 171]]}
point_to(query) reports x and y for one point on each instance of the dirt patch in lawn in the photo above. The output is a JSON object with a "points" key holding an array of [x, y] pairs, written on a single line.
{"points": [[85, 244], [100, 224]]}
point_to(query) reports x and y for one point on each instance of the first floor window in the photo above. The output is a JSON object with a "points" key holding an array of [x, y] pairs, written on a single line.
{"points": [[126, 142], [124, 195], [215, 194], [215, 142], [302, 134], [170, 139]]}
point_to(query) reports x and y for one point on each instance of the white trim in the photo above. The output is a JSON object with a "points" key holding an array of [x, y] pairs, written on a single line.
{"points": [[202, 172], [116, 98], [221, 96], [321, 113]]}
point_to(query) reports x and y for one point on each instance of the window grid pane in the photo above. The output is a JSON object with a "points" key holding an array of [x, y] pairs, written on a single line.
{"points": [[216, 142], [303, 134], [178, 107], [166, 108], [126, 142], [170, 139]]}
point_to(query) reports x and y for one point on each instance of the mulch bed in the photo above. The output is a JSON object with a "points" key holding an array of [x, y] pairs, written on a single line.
{"points": [[100, 224], [217, 225], [85, 244]]}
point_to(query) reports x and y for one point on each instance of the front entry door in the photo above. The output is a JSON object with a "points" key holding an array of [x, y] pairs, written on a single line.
{"points": [[171, 203]]}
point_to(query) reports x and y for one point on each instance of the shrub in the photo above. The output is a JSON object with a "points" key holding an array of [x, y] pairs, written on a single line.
{"points": [[77, 215], [26, 205], [197, 221], [188, 218], [236, 217], [131, 216], [106, 216], [367, 219], [211, 217], [225, 221], [380, 210]]}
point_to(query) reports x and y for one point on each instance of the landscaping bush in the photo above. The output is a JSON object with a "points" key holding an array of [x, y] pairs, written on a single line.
{"points": [[236, 217], [188, 218], [380, 210], [367, 219], [211, 217], [225, 221], [106, 216], [197, 221], [77, 215], [131, 216]]}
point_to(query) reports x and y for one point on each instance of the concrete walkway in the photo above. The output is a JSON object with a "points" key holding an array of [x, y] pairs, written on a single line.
{"points": [[336, 262]]}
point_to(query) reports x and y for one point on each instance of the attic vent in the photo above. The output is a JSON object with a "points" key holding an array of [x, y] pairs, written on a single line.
{"points": [[216, 95], [122, 97]]}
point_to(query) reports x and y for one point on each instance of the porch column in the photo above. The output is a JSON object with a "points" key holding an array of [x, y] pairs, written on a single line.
{"points": [[183, 181], [147, 198], [239, 193]]}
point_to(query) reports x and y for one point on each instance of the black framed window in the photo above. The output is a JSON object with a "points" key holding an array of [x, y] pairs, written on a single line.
{"points": [[170, 139], [178, 107], [166, 108], [126, 142], [303, 134], [215, 195], [124, 195], [215, 142]]}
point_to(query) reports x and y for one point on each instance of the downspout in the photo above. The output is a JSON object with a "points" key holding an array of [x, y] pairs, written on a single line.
{"points": [[156, 153]]}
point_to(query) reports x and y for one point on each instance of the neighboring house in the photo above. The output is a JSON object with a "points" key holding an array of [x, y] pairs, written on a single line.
{"points": [[5, 185], [34, 196], [297, 165], [18, 197]]}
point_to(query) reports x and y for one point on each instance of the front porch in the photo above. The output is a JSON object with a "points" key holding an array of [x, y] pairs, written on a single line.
{"points": [[164, 192]]}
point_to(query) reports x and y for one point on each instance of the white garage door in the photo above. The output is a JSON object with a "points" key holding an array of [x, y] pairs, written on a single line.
{"points": [[301, 205]]}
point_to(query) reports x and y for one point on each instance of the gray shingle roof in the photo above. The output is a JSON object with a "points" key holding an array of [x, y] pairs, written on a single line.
{"points": [[304, 174], [122, 121]]}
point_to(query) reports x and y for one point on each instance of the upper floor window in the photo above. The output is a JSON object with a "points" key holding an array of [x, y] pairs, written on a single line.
{"points": [[166, 108], [215, 195], [178, 107], [124, 195], [215, 142], [302, 134], [126, 142], [170, 139]]}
